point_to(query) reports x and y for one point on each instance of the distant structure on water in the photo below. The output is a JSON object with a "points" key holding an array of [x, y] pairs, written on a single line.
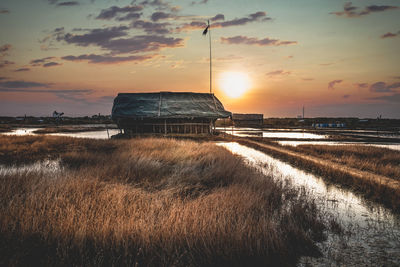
{"points": [[248, 120], [329, 125], [167, 112]]}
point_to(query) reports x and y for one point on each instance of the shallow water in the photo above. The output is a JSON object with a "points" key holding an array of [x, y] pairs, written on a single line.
{"points": [[373, 232], [248, 132], [21, 131], [92, 134]]}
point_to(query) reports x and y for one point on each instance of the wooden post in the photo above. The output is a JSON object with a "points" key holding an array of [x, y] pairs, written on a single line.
{"points": [[165, 126]]}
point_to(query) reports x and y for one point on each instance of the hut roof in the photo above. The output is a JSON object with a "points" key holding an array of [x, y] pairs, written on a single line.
{"points": [[168, 105]]}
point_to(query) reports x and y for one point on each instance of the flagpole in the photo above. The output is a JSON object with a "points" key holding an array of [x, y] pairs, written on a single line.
{"points": [[209, 29]]}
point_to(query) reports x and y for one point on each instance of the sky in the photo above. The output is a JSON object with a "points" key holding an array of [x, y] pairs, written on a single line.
{"points": [[335, 58]]}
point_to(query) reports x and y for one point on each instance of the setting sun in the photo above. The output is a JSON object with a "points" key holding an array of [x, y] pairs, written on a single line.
{"points": [[234, 84]]}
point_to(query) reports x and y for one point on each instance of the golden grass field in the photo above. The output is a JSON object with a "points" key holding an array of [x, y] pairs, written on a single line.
{"points": [[374, 171], [151, 202], [378, 160]]}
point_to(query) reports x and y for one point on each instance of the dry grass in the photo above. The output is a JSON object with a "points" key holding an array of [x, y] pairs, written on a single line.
{"points": [[29, 149], [378, 160], [367, 187], [153, 202], [68, 129]]}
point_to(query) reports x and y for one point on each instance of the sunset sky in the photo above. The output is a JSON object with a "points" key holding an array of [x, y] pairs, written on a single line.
{"points": [[337, 58]]}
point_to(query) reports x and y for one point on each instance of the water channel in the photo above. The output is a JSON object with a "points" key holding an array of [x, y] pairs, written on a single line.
{"points": [[372, 232]]}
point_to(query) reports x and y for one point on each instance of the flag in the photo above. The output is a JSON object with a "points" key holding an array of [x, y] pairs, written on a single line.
{"points": [[206, 30]]}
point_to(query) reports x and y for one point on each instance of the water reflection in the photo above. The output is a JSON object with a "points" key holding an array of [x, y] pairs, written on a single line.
{"points": [[375, 230], [248, 132], [93, 135], [21, 131], [102, 134]]}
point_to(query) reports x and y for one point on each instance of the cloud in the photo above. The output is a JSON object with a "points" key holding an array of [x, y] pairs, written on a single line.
{"points": [[346, 96], [18, 86], [394, 98], [5, 63], [258, 16], [218, 17], [69, 3], [151, 27], [278, 73], [351, 11], [156, 16], [47, 43], [22, 69], [158, 4], [44, 62], [22, 84], [382, 87], [105, 59], [199, 2], [331, 85], [100, 36], [390, 35], [361, 85], [4, 11], [254, 17], [62, 91], [141, 43], [4, 49], [129, 12], [3, 78], [308, 79], [255, 41], [109, 38], [194, 25], [40, 61], [75, 95], [51, 64]]}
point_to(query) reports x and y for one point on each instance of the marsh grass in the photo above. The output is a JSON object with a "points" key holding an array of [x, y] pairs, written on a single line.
{"points": [[362, 158], [153, 202], [69, 129], [378, 160]]}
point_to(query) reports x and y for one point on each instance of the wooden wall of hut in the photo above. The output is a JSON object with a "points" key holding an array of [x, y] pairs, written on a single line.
{"points": [[168, 126]]}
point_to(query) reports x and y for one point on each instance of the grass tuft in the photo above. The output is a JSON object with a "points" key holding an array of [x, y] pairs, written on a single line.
{"points": [[153, 202]]}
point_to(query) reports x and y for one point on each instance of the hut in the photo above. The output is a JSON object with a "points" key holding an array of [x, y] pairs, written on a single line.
{"points": [[248, 120], [167, 112]]}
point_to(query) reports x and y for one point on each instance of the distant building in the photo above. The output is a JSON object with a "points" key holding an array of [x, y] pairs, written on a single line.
{"points": [[329, 125], [167, 112], [248, 120]]}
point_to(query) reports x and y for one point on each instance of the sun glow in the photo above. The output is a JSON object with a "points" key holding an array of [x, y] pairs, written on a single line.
{"points": [[234, 84]]}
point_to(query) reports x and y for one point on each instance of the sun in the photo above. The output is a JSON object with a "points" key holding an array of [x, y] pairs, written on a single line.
{"points": [[234, 84]]}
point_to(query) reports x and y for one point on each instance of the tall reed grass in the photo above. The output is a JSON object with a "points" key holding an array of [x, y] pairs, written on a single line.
{"points": [[362, 158], [152, 202], [378, 160]]}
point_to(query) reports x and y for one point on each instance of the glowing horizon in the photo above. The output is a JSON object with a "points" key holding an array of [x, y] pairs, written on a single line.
{"points": [[338, 59]]}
